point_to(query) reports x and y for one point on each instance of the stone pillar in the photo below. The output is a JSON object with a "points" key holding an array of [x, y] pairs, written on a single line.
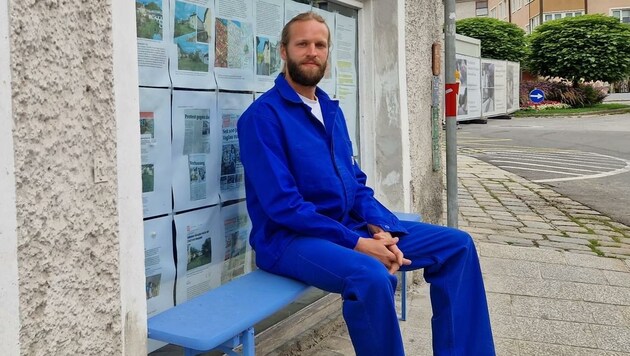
{"points": [[72, 223], [423, 27]]}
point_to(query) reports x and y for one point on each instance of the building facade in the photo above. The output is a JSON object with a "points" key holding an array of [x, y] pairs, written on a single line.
{"points": [[528, 14], [71, 223]]}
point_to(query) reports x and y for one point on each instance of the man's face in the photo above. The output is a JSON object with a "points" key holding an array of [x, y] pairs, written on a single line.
{"points": [[307, 52]]}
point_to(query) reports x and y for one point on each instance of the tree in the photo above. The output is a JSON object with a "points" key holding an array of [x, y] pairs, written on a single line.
{"points": [[499, 39], [589, 47]]}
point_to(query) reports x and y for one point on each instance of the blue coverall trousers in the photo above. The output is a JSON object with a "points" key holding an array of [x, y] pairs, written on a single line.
{"points": [[460, 322]]}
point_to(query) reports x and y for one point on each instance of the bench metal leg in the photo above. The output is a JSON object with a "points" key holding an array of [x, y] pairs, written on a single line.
{"points": [[249, 346], [403, 296]]}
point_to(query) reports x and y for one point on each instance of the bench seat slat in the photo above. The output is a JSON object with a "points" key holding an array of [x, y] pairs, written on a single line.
{"points": [[216, 316]]}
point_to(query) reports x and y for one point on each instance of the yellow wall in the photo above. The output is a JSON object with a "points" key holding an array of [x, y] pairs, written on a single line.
{"points": [[604, 6], [563, 5]]}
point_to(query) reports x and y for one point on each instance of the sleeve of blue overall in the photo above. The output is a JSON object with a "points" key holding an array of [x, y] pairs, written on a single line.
{"points": [[261, 144], [366, 205]]}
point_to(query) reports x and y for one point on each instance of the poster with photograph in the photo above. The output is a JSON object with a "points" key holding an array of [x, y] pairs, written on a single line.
{"points": [[200, 245], [234, 45], [328, 82], [232, 183], [513, 80], [468, 77], [269, 16], [196, 149], [493, 87], [153, 36], [159, 267], [238, 253], [192, 45], [155, 146]]}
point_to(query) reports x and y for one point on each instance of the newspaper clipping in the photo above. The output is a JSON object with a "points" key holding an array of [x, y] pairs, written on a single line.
{"points": [[196, 149], [237, 258], [231, 106], [234, 47], [200, 251], [155, 145], [269, 16], [191, 51], [152, 32]]}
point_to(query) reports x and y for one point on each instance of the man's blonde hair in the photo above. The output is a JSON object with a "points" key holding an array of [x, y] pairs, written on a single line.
{"points": [[305, 16]]}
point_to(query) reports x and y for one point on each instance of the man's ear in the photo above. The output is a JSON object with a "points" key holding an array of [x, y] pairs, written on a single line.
{"points": [[283, 52]]}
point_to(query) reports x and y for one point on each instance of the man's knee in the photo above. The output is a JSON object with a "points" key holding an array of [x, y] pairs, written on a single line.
{"points": [[368, 280]]}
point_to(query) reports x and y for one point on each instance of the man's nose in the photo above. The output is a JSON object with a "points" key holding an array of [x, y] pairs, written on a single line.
{"points": [[311, 50]]}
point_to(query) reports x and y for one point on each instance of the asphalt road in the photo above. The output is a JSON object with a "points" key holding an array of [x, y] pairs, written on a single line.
{"points": [[584, 158]]}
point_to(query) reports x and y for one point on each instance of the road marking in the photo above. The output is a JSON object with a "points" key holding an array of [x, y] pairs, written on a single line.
{"points": [[543, 165], [576, 164]]}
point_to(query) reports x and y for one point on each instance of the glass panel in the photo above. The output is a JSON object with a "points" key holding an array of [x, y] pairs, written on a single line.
{"points": [[547, 17], [557, 16], [625, 13], [616, 13]]}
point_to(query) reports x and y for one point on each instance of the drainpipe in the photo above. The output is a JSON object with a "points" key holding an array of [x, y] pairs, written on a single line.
{"points": [[451, 113], [585, 7], [541, 13]]}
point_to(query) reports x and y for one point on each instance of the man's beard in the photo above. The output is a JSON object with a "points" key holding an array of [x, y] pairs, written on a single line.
{"points": [[303, 77]]}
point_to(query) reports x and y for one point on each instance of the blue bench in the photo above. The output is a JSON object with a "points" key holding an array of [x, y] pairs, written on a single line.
{"points": [[224, 318]]}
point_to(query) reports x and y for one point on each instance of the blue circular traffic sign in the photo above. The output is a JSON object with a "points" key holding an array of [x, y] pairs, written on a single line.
{"points": [[537, 96]]}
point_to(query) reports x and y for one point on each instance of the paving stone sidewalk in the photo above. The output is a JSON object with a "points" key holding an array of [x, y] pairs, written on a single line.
{"points": [[549, 289]]}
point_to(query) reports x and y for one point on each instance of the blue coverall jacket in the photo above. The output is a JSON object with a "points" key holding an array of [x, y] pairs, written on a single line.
{"points": [[300, 176]]}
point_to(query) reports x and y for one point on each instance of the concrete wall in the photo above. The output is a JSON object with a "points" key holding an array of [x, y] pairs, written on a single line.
{"points": [[65, 127], [395, 103], [426, 185]]}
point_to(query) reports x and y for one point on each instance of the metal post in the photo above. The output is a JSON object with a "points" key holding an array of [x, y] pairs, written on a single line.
{"points": [[451, 121]]}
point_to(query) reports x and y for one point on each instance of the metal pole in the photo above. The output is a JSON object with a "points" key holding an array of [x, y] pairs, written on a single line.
{"points": [[451, 121]]}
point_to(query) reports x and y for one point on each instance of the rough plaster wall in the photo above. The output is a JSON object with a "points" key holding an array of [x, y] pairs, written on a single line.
{"points": [[424, 26], [61, 63], [388, 148]]}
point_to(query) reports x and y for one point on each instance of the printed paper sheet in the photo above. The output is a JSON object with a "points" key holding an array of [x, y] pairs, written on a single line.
{"points": [[192, 44], [231, 106], [200, 244], [269, 23], [155, 143], [153, 34], [238, 252], [196, 149], [234, 45], [469, 98], [159, 266]]}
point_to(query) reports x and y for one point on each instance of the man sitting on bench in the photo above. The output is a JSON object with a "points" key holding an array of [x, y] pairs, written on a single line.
{"points": [[315, 220]]}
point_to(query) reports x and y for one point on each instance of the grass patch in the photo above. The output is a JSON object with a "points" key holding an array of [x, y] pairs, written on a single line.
{"points": [[611, 108]]}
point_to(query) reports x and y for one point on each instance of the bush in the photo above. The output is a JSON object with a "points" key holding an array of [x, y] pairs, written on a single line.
{"points": [[584, 95], [588, 48], [499, 39]]}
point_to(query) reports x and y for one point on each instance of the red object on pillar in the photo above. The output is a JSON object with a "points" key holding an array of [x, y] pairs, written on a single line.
{"points": [[451, 91]]}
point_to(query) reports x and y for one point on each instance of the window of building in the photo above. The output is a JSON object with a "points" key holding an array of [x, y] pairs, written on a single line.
{"points": [[560, 15], [533, 23], [622, 14], [481, 8]]}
